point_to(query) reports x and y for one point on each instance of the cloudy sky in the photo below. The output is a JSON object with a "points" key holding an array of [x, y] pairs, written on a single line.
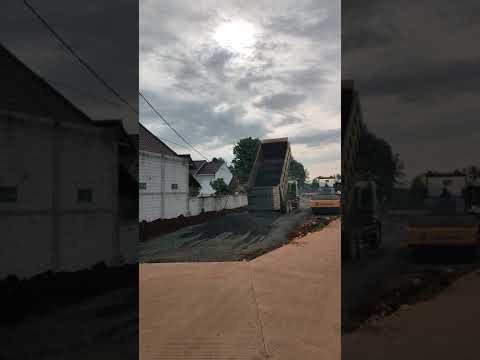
{"points": [[417, 70], [103, 32], [223, 70]]}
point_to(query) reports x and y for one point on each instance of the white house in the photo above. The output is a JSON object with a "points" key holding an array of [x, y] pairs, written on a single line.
{"points": [[208, 171], [163, 179], [58, 179], [327, 182]]}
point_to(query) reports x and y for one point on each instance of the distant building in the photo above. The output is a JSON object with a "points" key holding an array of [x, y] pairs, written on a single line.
{"points": [[193, 185], [327, 182], [163, 179], [59, 178], [207, 171]]}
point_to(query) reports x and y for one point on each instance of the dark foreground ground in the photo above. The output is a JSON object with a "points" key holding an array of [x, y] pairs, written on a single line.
{"points": [[232, 237], [89, 314], [393, 278]]}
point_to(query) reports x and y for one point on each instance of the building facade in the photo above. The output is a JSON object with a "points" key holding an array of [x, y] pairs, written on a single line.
{"points": [[163, 179], [352, 131], [58, 179]]}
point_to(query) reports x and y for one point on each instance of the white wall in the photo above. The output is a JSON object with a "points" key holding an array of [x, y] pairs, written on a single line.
{"points": [[85, 231], [206, 188], [212, 203], [159, 200], [224, 173]]}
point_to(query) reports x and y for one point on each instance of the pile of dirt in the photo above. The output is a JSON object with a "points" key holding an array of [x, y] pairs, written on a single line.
{"points": [[312, 224], [401, 293], [159, 227], [240, 223]]}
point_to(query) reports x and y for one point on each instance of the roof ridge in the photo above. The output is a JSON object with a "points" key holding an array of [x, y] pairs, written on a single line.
{"points": [[50, 87], [156, 138]]}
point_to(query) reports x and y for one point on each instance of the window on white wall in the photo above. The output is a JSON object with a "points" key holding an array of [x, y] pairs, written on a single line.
{"points": [[142, 185], [174, 186], [85, 195], [8, 194]]}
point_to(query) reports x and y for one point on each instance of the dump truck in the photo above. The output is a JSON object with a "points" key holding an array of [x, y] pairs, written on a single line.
{"points": [[268, 180], [447, 220]]}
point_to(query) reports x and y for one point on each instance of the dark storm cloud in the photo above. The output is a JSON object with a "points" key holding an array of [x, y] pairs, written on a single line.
{"points": [[218, 87], [198, 121], [250, 79], [313, 21], [417, 73], [365, 38], [281, 101], [216, 61], [330, 136], [310, 77], [102, 32], [421, 81]]}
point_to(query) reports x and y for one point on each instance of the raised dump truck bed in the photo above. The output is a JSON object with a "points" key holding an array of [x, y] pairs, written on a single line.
{"points": [[268, 181]]}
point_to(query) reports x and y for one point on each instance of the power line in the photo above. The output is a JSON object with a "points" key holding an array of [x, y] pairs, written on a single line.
{"points": [[173, 142], [99, 78], [76, 56], [170, 126], [83, 92]]}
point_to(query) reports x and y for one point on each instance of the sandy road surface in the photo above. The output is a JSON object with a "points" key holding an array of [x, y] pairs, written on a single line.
{"points": [[443, 328], [282, 305]]}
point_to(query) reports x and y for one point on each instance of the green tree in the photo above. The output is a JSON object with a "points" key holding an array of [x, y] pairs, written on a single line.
{"points": [[219, 159], [297, 172], [418, 189], [244, 153], [220, 187], [377, 161]]}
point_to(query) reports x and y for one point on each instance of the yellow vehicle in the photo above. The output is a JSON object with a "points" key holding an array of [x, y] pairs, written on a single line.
{"points": [[443, 230], [326, 203], [448, 220]]}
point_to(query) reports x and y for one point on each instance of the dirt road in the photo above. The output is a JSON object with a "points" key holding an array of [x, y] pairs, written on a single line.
{"points": [[385, 281], [101, 328], [442, 328], [282, 305]]}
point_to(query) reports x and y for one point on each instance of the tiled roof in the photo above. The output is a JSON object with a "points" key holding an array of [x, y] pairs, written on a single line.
{"points": [[25, 91], [198, 164], [210, 168], [149, 142]]}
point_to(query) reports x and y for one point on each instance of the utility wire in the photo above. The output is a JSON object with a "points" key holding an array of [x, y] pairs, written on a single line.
{"points": [[99, 78], [76, 56], [173, 142], [170, 126]]}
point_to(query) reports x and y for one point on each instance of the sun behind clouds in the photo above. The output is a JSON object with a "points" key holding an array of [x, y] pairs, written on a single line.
{"points": [[237, 35]]}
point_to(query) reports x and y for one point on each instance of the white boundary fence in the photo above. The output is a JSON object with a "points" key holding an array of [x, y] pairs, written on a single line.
{"points": [[215, 203]]}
